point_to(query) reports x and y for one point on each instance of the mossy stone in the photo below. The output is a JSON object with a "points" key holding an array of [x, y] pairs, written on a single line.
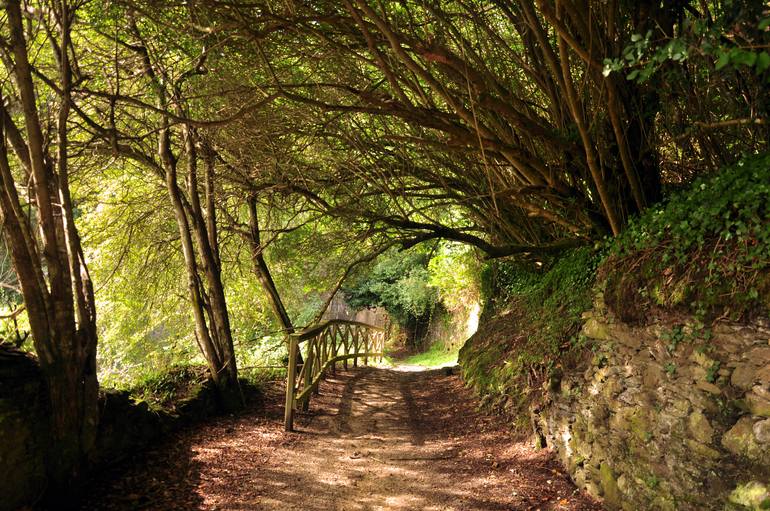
{"points": [[596, 330], [610, 489], [702, 449], [762, 431], [758, 404], [700, 427], [664, 503], [752, 495], [640, 425], [702, 359], [740, 440], [709, 387], [744, 376]]}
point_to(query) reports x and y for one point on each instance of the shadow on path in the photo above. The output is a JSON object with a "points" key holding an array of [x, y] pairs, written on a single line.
{"points": [[374, 439]]}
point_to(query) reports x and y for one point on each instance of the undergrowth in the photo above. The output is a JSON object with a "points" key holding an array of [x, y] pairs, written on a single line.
{"points": [[164, 389], [537, 333], [705, 251]]}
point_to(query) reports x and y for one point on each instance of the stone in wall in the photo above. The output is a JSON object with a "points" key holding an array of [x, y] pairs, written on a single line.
{"points": [[125, 427], [22, 433], [652, 423]]}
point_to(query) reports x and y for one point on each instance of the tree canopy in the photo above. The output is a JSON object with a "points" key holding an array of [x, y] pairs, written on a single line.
{"points": [[197, 176]]}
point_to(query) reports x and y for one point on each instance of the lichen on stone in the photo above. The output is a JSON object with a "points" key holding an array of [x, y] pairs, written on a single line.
{"points": [[752, 496]]}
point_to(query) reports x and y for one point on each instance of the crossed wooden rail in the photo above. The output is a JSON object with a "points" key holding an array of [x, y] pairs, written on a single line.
{"points": [[327, 344]]}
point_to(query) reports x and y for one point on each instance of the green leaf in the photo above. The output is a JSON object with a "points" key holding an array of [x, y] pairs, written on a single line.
{"points": [[632, 75], [722, 61], [763, 24], [763, 62], [747, 58], [750, 58]]}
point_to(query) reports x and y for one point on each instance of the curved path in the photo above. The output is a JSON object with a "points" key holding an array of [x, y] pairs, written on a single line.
{"points": [[375, 439]]}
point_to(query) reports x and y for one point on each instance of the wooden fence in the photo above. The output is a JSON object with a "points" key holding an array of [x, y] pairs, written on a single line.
{"points": [[326, 345]]}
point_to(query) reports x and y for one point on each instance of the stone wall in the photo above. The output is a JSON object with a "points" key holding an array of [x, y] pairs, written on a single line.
{"points": [[661, 419], [125, 427], [22, 432]]}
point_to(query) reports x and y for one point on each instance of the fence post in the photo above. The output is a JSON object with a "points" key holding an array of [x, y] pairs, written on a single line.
{"points": [[291, 373], [324, 349], [356, 334], [346, 344], [333, 352], [308, 370], [367, 338], [319, 361]]}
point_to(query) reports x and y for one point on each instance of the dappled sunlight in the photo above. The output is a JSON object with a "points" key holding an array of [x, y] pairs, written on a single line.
{"points": [[366, 444], [374, 439], [473, 320], [410, 368]]}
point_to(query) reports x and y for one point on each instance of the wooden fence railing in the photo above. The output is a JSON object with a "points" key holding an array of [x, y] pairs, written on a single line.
{"points": [[326, 345]]}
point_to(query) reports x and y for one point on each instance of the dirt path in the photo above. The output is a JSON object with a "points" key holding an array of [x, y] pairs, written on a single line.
{"points": [[375, 439]]}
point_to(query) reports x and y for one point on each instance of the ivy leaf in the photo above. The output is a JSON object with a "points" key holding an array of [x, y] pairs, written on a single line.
{"points": [[747, 58], [763, 62], [722, 61]]}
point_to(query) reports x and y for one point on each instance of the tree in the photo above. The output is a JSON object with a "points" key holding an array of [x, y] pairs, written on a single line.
{"points": [[178, 141], [504, 109], [39, 227]]}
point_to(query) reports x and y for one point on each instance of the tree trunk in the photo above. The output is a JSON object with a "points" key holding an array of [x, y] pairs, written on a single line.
{"points": [[205, 232], [263, 272], [73, 392], [214, 338], [264, 276], [54, 278]]}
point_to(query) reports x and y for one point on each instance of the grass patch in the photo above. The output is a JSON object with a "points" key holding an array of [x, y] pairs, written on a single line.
{"points": [[163, 389], [437, 355]]}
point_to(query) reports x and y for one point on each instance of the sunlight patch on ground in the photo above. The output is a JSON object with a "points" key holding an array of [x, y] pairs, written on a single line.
{"points": [[411, 368], [436, 356]]}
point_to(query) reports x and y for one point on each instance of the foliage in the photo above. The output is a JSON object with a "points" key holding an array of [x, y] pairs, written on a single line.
{"points": [[14, 324], [399, 282], [534, 331], [729, 43], [706, 250], [704, 58], [269, 350], [162, 389], [419, 124], [429, 294], [454, 270], [144, 325], [553, 300]]}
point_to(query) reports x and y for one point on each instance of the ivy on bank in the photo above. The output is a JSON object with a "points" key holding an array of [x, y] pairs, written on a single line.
{"points": [[706, 250]]}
